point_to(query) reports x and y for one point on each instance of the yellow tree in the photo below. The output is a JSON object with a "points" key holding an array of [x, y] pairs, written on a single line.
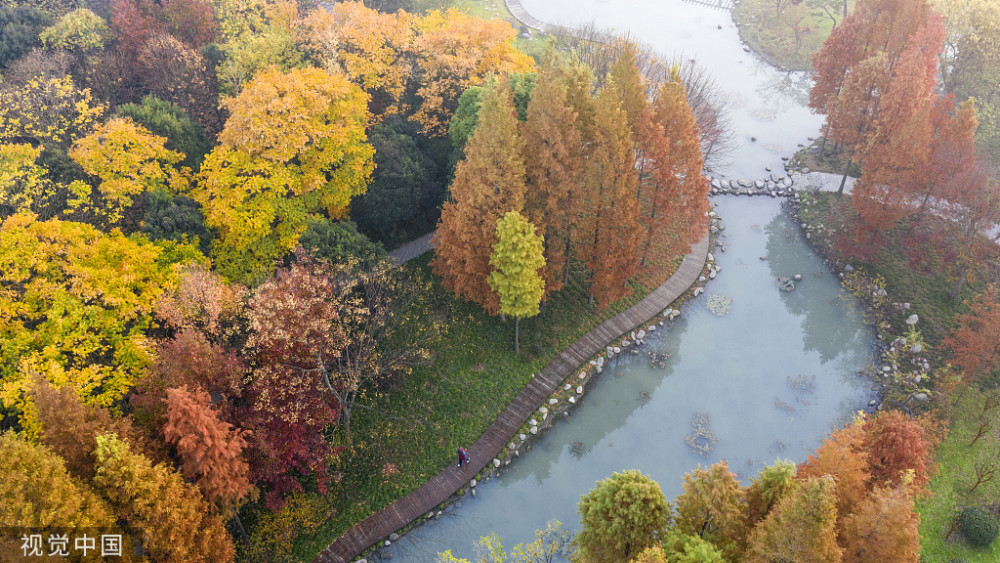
{"points": [[454, 51], [712, 509], [156, 504], [76, 303], [800, 528], [47, 110], [488, 184], [517, 257], [294, 146], [371, 48], [22, 182], [127, 161]]}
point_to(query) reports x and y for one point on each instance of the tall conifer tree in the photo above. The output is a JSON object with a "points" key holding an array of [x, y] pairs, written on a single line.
{"points": [[553, 158], [488, 184]]}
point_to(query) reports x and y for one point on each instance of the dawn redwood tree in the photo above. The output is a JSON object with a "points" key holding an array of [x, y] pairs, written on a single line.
{"points": [[517, 257], [673, 192], [975, 342], [622, 516], [884, 527], [612, 236], [156, 504], [711, 508], [488, 184], [801, 528], [852, 68], [766, 489], [211, 450], [843, 456], [897, 445], [553, 159]]}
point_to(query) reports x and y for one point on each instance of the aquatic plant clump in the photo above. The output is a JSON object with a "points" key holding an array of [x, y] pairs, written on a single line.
{"points": [[701, 440], [719, 304], [802, 383]]}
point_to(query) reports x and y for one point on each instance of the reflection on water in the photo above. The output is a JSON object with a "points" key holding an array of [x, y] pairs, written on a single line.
{"points": [[775, 374]]}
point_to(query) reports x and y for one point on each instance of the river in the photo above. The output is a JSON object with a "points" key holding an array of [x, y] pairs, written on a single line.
{"points": [[775, 374]]}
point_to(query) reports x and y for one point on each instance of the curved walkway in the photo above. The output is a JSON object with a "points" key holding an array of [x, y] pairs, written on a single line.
{"points": [[446, 483], [522, 15], [412, 249]]}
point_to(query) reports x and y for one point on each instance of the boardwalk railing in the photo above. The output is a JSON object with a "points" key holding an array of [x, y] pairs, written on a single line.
{"points": [[452, 479]]}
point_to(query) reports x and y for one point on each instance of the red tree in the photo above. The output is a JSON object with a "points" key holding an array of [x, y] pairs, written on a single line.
{"points": [[191, 21], [295, 337], [895, 444], [211, 450], [975, 343]]}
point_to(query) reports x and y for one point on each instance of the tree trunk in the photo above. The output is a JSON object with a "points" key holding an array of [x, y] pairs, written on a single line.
{"points": [[959, 283], [517, 329], [843, 181], [239, 525]]}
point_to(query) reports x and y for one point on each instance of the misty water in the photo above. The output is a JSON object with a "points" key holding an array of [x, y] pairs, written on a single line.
{"points": [[775, 374]]}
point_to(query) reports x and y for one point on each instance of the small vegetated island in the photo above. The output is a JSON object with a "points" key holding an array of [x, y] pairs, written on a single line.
{"points": [[206, 351]]}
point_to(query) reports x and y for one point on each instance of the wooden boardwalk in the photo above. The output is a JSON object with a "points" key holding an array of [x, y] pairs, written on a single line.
{"points": [[446, 483]]}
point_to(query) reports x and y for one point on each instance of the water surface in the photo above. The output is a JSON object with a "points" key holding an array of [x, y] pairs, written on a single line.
{"points": [[738, 368]]}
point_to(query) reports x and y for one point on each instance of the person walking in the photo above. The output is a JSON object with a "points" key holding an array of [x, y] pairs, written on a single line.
{"points": [[463, 457]]}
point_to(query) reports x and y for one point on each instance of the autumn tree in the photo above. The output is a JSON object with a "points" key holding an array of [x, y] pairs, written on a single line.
{"points": [[269, 47], [621, 517], [884, 527], [766, 489], [133, 22], [553, 159], [191, 21], [39, 493], [68, 309], [711, 508], [210, 449], [853, 67], [897, 444], [800, 528], [178, 73], [61, 421], [672, 191], [295, 335], [517, 257], [371, 48], [612, 211], [975, 343], [843, 456], [23, 183], [455, 51], [78, 31], [488, 184], [157, 505], [46, 110], [127, 162]]}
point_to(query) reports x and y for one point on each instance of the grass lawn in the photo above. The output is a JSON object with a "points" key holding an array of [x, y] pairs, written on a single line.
{"points": [[921, 285], [787, 40], [417, 424], [950, 489]]}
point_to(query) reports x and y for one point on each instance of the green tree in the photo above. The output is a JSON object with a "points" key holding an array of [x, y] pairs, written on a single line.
{"points": [[340, 242], [712, 508], [766, 489], [517, 257], [466, 117], [19, 29], [168, 120], [622, 516], [404, 177], [176, 218]]}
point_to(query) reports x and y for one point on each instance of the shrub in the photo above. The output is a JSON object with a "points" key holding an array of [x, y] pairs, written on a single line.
{"points": [[978, 526], [958, 560]]}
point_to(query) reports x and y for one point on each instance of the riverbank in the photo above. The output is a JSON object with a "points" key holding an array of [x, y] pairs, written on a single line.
{"points": [[787, 39]]}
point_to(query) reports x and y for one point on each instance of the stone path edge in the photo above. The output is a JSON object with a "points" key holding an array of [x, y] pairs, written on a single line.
{"points": [[449, 481]]}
